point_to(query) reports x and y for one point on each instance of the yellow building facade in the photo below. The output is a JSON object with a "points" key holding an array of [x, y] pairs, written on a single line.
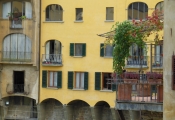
{"points": [[75, 68]]}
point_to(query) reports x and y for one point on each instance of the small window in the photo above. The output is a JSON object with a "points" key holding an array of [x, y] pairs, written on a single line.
{"points": [[106, 81], [106, 51], [109, 13], [77, 49], [159, 6], [79, 14], [137, 11], [54, 13], [52, 82], [79, 80]]}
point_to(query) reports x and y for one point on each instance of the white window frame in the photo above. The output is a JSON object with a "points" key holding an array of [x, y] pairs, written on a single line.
{"points": [[52, 79]]}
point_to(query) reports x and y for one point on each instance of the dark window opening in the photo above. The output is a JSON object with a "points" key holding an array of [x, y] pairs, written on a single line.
{"points": [[79, 14], [18, 81], [107, 81]]}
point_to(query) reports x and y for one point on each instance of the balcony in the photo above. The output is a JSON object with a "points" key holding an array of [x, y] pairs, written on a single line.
{"points": [[140, 91], [157, 62], [136, 61], [52, 60], [17, 89], [14, 56]]}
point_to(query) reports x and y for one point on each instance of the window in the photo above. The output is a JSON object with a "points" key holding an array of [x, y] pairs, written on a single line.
{"points": [[137, 11], [79, 14], [106, 51], [137, 56], [158, 57], [159, 6], [18, 81], [109, 13], [54, 12], [52, 79], [77, 49], [104, 81], [17, 47], [77, 80]]}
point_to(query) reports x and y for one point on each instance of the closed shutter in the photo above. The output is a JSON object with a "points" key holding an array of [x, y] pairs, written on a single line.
{"points": [[84, 49], [86, 80], [59, 79], [71, 49], [173, 71], [113, 87], [101, 50], [44, 79], [97, 80], [70, 80]]}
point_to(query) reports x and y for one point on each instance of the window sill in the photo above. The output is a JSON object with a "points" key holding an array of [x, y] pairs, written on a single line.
{"points": [[106, 91], [80, 21], [109, 20], [78, 56], [75, 89], [54, 88], [53, 22], [136, 66]]}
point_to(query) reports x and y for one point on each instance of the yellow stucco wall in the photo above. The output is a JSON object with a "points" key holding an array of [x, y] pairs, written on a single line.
{"points": [[68, 31]]}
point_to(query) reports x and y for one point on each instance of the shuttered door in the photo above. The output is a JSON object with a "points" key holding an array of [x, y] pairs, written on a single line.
{"points": [[86, 80], [70, 80], [44, 79], [97, 80], [59, 79]]}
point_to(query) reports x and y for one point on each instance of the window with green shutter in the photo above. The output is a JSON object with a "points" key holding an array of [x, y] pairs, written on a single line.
{"points": [[44, 79], [97, 80], [70, 80], [102, 50], [86, 80], [77, 49], [71, 49], [59, 79]]}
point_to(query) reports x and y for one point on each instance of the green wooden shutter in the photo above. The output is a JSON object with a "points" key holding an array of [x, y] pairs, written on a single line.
{"points": [[70, 80], [102, 50], [44, 79], [84, 49], [113, 87], [97, 80], [86, 80], [59, 79], [71, 49]]}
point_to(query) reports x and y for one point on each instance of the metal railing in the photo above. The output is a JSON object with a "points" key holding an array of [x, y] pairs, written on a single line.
{"points": [[16, 56], [17, 88], [16, 23], [137, 60], [51, 59], [157, 61], [140, 87]]}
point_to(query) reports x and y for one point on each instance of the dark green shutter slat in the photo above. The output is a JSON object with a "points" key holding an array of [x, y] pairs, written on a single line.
{"points": [[84, 49], [44, 79], [101, 50], [97, 80], [59, 79], [70, 80], [113, 87], [71, 49], [86, 80]]}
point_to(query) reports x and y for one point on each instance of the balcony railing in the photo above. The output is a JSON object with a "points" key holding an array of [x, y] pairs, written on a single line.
{"points": [[137, 60], [17, 88], [16, 23], [52, 59], [16, 56], [157, 61], [133, 87]]}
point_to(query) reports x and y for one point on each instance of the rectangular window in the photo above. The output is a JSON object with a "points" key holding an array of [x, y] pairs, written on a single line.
{"points": [[79, 14], [18, 81], [52, 79], [77, 49], [109, 13], [108, 51], [106, 81], [79, 80]]}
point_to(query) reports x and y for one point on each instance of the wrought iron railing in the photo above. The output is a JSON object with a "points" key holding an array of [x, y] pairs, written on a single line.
{"points": [[16, 56], [17, 88], [157, 61], [134, 87], [52, 59], [137, 60]]}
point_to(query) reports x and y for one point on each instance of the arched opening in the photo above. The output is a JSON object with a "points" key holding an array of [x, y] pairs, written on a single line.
{"points": [[160, 6], [17, 47], [137, 11], [54, 12], [51, 109]]}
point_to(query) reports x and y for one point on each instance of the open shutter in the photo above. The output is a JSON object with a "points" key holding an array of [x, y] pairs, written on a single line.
{"points": [[70, 80], [97, 80], [44, 79], [84, 49], [71, 49], [102, 50], [86, 80], [173, 71], [59, 79], [114, 87]]}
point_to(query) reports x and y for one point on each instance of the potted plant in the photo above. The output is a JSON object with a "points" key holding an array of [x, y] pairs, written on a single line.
{"points": [[131, 77], [154, 78]]}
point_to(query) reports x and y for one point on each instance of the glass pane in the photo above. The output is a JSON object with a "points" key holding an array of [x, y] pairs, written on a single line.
{"points": [[55, 79], [51, 79], [77, 80], [109, 13], [78, 49], [108, 50], [82, 80], [54, 12], [79, 13]]}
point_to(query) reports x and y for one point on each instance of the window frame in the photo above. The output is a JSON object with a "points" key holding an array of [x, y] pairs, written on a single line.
{"points": [[103, 50], [160, 3], [53, 82], [80, 77], [107, 15], [79, 11], [108, 87], [73, 49]]}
